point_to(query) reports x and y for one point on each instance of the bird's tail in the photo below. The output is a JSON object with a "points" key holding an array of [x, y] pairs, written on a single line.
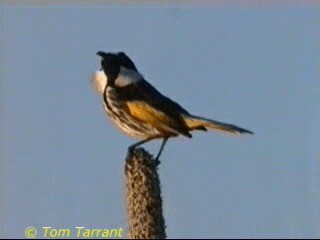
{"points": [[200, 123]]}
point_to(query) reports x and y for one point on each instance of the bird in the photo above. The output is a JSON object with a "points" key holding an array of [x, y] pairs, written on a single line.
{"points": [[139, 110]]}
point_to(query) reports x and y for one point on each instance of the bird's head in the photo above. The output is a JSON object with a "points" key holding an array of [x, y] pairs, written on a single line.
{"points": [[111, 62], [113, 65]]}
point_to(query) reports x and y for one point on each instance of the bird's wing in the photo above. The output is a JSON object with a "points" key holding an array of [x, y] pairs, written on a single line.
{"points": [[159, 100], [147, 104]]}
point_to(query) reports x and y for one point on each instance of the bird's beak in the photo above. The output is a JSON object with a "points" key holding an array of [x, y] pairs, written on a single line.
{"points": [[101, 54]]}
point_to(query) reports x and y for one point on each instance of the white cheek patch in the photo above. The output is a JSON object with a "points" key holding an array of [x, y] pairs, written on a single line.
{"points": [[126, 77], [99, 81]]}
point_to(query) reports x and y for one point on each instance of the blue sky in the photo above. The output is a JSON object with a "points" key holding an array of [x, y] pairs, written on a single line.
{"points": [[258, 67]]}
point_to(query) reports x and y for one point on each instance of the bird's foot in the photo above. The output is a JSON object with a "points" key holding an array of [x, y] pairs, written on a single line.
{"points": [[131, 148], [157, 161]]}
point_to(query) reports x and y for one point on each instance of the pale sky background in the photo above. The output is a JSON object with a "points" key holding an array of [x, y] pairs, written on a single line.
{"points": [[255, 66]]}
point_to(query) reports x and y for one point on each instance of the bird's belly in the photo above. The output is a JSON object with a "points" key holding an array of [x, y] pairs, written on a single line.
{"points": [[133, 128], [125, 122]]}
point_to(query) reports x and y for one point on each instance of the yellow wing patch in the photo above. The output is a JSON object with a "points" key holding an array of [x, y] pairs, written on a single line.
{"points": [[146, 113]]}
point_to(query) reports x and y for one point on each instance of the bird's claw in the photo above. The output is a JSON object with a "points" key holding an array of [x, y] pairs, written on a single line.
{"points": [[157, 162], [130, 149]]}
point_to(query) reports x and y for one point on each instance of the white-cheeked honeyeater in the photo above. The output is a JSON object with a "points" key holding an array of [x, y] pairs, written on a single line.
{"points": [[140, 110]]}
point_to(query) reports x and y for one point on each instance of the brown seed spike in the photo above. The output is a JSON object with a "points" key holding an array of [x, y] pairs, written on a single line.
{"points": [[143, 196]]}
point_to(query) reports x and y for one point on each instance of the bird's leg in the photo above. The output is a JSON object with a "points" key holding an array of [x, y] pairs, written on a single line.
{"points": [[133, 146], [164, 141]]}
